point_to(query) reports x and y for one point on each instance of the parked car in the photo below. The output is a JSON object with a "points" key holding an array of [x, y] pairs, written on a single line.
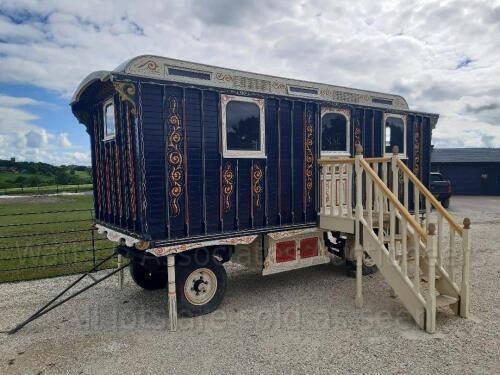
{"points": [[441, 188]]}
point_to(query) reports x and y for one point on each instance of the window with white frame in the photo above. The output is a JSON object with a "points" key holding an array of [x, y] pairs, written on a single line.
{"points": [[335, 138], [243, 127], [109, 120], [394, 133]]}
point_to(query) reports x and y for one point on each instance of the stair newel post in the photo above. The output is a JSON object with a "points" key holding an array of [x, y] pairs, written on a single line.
{"points": [[376, 205], [369, 200], [359, 214], [430, 324], [465, 287], [394, 172]]}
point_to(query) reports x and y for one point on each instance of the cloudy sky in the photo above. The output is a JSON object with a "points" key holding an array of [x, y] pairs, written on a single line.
{"points": [[443, 56]]}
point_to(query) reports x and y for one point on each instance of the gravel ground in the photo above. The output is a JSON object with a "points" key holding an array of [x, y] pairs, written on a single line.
{"points": [[291, 323]]}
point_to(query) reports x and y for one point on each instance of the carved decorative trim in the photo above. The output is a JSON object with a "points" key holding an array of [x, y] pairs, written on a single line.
{"points": [[357, 132], [256, 183], [309, 156], [416, 148], [227, 187], [97, 157], [118, 180], [175, 157], [116, 236], [108, 179], [292, 233], [82, 116], [167, 250], [130, 166], [127, 91]]}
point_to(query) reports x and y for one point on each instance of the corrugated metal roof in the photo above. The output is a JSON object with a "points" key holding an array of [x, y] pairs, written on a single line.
{"points": [[465, 155]]}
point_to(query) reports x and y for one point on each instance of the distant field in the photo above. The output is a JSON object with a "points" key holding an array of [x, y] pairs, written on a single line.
{"points": [[64, 238]]}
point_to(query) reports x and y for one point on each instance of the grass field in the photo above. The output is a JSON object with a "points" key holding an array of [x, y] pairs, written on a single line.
{"points": [[46, 189], [36, 241]]}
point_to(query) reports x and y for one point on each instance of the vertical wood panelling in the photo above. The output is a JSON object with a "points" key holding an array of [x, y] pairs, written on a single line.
{"points": [[211, 133], [285, 162], [154, 155], [298, 162]]}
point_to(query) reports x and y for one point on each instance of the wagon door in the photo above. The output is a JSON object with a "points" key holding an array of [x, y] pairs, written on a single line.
{"points": [[335, 144]]}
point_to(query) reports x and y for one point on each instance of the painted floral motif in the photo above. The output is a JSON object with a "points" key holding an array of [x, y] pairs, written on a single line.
{"points": [[175, 158], [257, 187], [227, 188], [150, 66], [309, 156], [224, 77], [161, 251]]}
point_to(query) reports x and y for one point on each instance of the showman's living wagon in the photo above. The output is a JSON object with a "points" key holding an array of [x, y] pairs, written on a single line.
{"points": [[196, 165]]}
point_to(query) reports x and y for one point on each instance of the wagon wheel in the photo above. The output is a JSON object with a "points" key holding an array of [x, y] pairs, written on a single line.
{"points": [[201, 285], [148, 275]]}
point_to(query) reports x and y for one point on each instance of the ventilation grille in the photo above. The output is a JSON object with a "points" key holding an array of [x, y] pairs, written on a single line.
{"points": [[302, 90], [252, 84], [382, 101], [189, 73]]}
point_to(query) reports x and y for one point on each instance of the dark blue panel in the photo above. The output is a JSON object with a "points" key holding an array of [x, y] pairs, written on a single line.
{"points": [[285, 195], [272, 160], [212, 179], [298, 162], [194, 161], [244, 191], [154, 155]]}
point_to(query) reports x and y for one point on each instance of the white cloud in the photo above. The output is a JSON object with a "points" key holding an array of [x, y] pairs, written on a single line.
{"points": [[22, 138], [64, 140], [444, 56]]}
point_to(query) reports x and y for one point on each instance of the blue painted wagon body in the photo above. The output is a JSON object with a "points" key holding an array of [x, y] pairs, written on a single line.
{"points": [[163, 176], [190, 156]]}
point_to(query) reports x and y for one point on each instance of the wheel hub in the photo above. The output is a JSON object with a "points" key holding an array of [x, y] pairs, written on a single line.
{"points": [[200, 286]]}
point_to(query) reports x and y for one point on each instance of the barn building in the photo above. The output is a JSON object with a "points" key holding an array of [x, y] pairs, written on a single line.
{"points": [[472, 171]]}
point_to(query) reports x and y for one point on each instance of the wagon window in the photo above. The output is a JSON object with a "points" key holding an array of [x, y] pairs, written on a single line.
{"points": [[394, 134], [109, 121], [243, 127], [334, 133]]}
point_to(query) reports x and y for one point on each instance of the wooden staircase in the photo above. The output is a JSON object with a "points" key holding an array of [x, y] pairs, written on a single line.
{"points": [[425, 261]]}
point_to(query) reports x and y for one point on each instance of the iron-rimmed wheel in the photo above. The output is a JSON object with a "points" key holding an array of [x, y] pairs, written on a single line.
{"points": [[148, 275], [445, 203], [201, 285]]}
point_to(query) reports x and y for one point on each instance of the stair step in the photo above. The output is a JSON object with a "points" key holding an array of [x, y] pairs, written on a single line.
{"points": [[443, 300]]}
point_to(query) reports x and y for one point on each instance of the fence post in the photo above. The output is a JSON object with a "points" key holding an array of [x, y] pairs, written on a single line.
{"points": [[430, 322], [465, 287], [358, 249], [92, 230]]}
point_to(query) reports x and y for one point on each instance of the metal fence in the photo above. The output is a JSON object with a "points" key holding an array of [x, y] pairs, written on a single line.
{"points": [[50, 243]]}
